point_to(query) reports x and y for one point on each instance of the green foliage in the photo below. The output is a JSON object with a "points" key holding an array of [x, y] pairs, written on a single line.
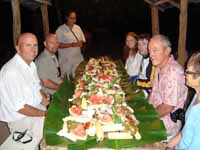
{"points": [[151, 127]]}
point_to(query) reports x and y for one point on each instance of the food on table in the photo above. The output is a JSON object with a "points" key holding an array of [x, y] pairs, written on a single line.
{"points": [[99, 107]]}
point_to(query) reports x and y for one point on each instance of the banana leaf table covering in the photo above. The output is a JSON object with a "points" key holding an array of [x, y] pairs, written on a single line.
{"points": [[151, 127]]}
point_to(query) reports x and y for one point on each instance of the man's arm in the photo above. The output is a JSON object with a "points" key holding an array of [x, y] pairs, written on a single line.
{"points": [[164, 109], [65, 45], [50, 84], [74, 44], [32, 111]]}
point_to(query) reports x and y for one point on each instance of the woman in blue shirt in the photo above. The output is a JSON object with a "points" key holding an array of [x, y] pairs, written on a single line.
{"points": [[189, 137]]}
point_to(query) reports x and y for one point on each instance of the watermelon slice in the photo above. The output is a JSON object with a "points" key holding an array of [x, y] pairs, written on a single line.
{"points": [[79, 131], [75, 110], [78, 93], [94, 99], [108, 100], [120, 110], [82, 84]]}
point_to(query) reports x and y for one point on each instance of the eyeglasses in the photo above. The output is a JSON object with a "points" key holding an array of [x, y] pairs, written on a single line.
{"points": [[19, 137], [191, 72]]}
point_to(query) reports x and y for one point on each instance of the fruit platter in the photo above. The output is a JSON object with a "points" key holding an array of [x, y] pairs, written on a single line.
{"points": [[100, 108]]}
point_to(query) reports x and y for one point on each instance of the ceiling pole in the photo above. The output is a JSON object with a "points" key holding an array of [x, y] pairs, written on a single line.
{"points": [[182, 52], [155, 20], [45, 18], [16, 20]]}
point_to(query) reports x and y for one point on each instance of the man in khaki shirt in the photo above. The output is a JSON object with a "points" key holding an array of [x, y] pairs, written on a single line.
{"points": [[48, 66]]}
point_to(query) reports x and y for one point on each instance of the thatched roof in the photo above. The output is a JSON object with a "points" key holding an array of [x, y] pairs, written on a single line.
{"points": [[32, 4], [165, 4]]}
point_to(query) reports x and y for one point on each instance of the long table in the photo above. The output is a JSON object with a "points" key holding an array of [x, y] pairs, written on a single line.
{"points": [[151, 127]]}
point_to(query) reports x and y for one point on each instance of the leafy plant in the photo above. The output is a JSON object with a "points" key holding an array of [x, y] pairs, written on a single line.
{"points": [[151, 127]]}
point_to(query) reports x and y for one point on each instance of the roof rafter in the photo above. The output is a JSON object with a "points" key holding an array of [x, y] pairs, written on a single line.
{"points": [[152, 5], [174, 3], [161, 2], [44, 2], [165, 4]]}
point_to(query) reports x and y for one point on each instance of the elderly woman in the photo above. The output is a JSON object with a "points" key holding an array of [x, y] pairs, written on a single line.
{"points": [[189, 137]]}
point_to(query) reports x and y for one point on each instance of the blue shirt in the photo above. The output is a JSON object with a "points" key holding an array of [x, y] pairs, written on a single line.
{"points": [[191, 131]]}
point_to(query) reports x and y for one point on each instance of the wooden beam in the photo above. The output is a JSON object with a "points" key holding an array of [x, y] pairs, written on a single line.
{"points": [[175, 4], [182, 52], [16, 20], [155, 20], [44, 2], [149, 1], [152, 5], [45, 18], [161, 2]]}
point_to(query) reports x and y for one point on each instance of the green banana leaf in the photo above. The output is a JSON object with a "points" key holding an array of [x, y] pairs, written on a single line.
{"points": [[151, 127]]}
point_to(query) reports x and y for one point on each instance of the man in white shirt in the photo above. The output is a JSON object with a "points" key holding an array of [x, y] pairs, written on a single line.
{"points": [[71, 39], [48, 66], [22, 105]]}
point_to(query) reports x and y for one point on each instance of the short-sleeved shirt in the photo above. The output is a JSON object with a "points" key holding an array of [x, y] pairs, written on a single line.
{"points": [[19, 85], [133, 64], [70, 57], [191, 131], [169, 88], [48, 68], [65, 35]]}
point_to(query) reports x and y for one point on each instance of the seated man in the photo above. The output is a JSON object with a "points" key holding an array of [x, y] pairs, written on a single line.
{"points": [[22, 105], [168, 89], [48, 66], [147, 70]]}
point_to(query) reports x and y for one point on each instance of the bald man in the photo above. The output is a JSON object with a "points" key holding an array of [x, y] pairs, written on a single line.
{"points": [[22, 105], [48, 66], [168, 89]]}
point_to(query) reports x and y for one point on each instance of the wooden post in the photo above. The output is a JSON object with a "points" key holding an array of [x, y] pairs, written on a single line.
{"points": [[16, 20], [182, 52], [45, 18], [155, 20]]}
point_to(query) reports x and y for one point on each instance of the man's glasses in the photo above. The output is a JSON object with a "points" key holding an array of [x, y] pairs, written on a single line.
{"points": [[20, 137], [191, 72]]}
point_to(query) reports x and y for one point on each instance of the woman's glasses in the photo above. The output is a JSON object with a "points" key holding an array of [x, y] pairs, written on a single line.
{"points": [[191, 72]]}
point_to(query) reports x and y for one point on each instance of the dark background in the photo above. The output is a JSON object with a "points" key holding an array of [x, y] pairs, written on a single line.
{"points": [[106, 23]]}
